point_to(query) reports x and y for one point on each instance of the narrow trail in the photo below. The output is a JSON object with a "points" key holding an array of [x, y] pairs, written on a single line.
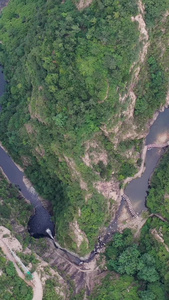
{"points": [[159, 216], [35, 284], [9, 256]]}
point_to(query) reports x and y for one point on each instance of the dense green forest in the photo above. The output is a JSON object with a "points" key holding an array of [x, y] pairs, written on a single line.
{"points": [[68, 60], [65, 70], [158, 197], [143, 266]]}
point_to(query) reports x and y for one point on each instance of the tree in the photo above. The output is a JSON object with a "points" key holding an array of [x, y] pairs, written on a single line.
{"points": [[147, 269], [147, 295], [127, 261], [10, 269]]}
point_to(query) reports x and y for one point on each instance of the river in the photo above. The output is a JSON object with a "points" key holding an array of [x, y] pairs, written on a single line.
{"points": [[137, 189]]}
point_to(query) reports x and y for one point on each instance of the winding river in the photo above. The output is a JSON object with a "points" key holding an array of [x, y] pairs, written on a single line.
{"points": [[136, 190]]}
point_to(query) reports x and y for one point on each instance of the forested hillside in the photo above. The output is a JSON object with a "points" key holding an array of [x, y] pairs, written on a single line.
{"points": [[67, 116]]}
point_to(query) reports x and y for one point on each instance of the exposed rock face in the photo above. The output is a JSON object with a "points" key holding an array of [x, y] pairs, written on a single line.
{"points": [[83, 4], [39, 222]]}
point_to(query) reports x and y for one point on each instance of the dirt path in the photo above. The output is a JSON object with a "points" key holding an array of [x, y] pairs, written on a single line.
{"points": [[158, 216], [4, 245], [10, 257], [37, 287]]}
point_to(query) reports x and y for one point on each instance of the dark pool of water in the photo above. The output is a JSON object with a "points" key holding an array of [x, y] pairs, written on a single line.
{"points": [[38, 223], [137, 188]]}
